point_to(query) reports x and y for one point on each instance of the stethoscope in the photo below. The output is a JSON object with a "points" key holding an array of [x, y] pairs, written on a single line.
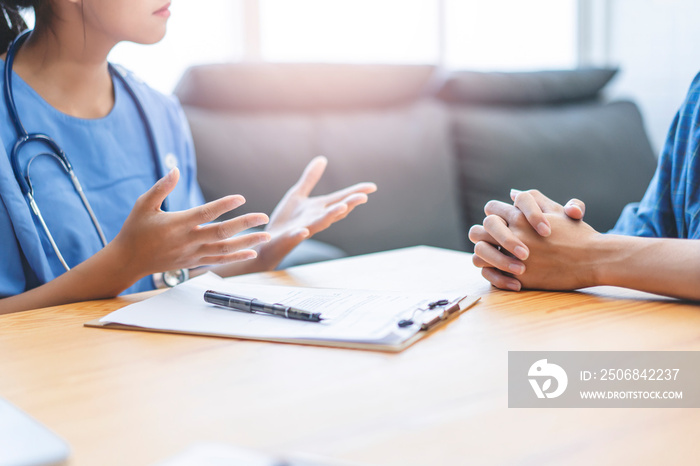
{"points": [[56, 152]]}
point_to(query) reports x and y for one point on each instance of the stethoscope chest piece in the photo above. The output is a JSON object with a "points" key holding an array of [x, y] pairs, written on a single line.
{"points": [[170, 161]]}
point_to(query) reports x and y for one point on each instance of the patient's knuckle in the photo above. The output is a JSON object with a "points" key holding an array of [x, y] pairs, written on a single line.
{"points": [[475, 232], [489, 274], [490, 206], [509, 244], [478, 261], [495, 277], [524, 201], [492, 222], [516, 218], [481, 249]]}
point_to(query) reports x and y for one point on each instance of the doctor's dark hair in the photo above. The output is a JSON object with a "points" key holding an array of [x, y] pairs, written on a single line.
{"points": [[13, 23]]}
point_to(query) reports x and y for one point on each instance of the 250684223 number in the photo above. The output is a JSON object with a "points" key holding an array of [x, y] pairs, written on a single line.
{"points": [[637, 374]]}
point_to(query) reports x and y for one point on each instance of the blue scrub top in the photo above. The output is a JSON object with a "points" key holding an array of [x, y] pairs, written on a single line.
{"points": [[112, 159]]}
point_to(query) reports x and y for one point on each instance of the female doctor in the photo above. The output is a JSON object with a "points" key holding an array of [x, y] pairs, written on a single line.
{"points": [[136, 211]]}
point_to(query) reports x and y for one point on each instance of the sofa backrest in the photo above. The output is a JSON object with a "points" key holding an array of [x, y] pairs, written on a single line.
{"points": [[551, 87], [293, 87], [439, 147], [255, 127], [549, 130]]}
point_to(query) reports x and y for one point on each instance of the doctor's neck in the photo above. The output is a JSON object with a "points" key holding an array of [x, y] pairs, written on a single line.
{"points": [[65, 62]]}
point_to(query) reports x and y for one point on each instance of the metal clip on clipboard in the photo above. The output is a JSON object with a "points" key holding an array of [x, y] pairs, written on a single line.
{"points": [[448, 310]]}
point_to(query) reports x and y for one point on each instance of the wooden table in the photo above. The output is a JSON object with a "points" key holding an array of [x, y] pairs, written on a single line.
{"points": [[133, 398]]}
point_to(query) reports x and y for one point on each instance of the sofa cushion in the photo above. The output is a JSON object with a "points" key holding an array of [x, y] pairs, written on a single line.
{"points": [[526, 88], [297, 87], [405, 150], [408, 153], [257, 156], [596, 152]]}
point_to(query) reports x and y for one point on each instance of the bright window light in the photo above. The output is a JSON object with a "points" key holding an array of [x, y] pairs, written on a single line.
{"points": [[354, 31], [205, 31], [511, 34], [474, 34]]}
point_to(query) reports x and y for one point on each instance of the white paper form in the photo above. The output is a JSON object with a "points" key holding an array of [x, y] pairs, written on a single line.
{"points": [[353, 315]]}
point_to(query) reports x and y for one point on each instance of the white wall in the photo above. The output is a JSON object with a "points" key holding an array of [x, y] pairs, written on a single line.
{"points": [[656, 43]]}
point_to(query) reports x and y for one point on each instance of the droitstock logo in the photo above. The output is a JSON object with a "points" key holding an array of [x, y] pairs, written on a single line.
{"points": [[542, 373], [603, 379]]}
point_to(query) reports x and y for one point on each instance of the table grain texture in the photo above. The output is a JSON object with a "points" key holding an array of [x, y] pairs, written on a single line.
{"points": [[134, 398]]}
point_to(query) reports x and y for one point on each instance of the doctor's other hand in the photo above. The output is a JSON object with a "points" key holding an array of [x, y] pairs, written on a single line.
{"points": [[299, 216], [504, 243], [152, 240]]}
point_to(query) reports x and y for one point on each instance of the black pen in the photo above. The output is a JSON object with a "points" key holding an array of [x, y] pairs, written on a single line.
{"points": [[240, 303]]}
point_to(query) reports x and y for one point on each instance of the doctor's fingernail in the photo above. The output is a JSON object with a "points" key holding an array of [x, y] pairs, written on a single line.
{"points": [[520, 252], [248, 254], [574, 205], [543, 229], [517, 269], [513, 286]]}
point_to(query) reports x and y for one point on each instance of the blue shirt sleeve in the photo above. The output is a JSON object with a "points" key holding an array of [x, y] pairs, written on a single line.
{"points": [[12, 281], [671, 205], [653, 216]]}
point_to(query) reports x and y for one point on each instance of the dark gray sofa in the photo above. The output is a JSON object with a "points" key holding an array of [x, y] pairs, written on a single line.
{"points": [[438, 146]]}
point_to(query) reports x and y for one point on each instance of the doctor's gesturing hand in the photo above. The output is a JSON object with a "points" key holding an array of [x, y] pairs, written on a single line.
{"points": [[152, 240], [299, 216], [64, 60]]}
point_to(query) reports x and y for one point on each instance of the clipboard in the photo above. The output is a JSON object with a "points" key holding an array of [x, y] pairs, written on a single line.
{"points": [[449, 314], [427, 322]]}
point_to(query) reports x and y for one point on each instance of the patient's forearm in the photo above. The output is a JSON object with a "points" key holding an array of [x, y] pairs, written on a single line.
{"points": [[657, 265]]}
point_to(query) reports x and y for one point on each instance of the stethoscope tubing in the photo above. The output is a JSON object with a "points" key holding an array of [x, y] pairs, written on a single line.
{"points": [[24, 138]]}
